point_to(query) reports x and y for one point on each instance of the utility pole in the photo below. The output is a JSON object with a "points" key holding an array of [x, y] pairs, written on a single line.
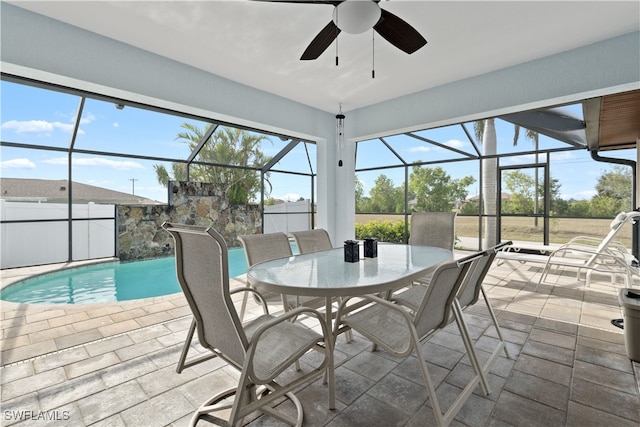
{"points": [[133, 185]]}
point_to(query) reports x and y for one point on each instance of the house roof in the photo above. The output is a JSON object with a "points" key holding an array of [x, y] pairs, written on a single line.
{"points": [[55, 191]]}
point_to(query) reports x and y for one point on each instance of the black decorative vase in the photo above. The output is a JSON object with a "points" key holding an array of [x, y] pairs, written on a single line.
{"points": [[370, 247], [351, 251]]}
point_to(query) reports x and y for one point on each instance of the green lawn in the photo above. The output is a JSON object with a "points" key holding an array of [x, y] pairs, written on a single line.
{"points": [[516, 228]]}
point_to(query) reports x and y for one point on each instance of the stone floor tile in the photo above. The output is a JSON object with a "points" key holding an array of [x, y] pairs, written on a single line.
{"points": [[70, 391], [12, 330], [36, 382], [154, 318], [91, 365], [605, 399], [370, 365], [106, 345], [604, 358], [474, 413], [92, 323], [539, 390], [549, 352], [580, 415], [105, 310], [514, 410], [120, 327], [16, 372], [111, 401], [410, 370], [544, 369], [68, 319], [27, 352], [160, 410], [62, 358], [136, 350], [350, 385], [366, 409], [556, 339], [402, 394], [611, 378], [161, 380], [78, 338], [126, 371], [43, 315], [617, 348]]}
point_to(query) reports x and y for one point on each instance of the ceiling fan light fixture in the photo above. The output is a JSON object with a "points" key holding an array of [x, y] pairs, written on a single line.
{"points": [[356, 16]]}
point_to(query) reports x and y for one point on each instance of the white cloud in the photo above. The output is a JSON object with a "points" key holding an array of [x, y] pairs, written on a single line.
{"points": [[87, 118], [121, 165], [419, 149], [36, 126], [116, 124], [455, 143], [17, 164]]}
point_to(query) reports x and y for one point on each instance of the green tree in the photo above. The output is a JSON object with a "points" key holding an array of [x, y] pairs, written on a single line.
{"points": [[384, 196], [435, 191], [617, 185], [227, 146], [521, 190], [362, 202]]}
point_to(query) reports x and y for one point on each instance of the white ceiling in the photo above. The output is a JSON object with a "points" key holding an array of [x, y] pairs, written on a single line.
{"points": [[259, 43]]}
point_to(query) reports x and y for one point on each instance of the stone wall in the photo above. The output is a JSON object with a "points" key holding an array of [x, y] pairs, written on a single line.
{"points": [[140, 235]]}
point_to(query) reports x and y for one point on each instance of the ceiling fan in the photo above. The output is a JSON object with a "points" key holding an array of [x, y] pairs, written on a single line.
{"points": [[358, 16]]}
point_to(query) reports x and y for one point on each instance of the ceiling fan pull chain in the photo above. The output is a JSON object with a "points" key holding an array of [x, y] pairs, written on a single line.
{"points": [[373, 54], [337, 34]]}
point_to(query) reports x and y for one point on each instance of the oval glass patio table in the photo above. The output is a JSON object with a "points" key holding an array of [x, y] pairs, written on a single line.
{"points": [[326, 274]]}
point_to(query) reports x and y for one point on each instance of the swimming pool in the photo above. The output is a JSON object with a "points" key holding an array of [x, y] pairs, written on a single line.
{"points": [[107, 282]]}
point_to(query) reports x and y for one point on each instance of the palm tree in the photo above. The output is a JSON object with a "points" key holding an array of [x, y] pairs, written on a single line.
{"points": [[226, 146], [485, 132]]}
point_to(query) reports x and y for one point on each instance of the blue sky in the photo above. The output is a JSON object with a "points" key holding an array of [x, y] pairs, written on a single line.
{"points": [[39, 117]]}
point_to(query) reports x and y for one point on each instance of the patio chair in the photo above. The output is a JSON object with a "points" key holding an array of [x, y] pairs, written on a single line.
{"points": [[467, 296], [260, 350], [312, 240], [265, 247], [401, 332], [316, 240], [432, 229]]}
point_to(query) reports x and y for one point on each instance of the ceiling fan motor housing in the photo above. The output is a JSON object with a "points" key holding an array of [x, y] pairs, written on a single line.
{"points": [[356, 16]]}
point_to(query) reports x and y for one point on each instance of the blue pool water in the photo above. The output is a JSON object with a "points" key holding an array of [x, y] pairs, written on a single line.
{"points": [[111, 281]]}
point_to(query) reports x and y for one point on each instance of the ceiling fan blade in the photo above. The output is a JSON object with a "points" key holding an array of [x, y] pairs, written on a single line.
{"points": [[399, 33], [321, 42]]}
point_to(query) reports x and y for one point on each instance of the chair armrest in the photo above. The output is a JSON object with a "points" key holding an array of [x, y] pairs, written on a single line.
{"points": [[286, 316], [606, 253], [265, 309], [587, 239]]}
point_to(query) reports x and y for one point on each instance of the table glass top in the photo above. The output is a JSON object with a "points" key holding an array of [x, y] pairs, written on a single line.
{"points": [[326, 273]]}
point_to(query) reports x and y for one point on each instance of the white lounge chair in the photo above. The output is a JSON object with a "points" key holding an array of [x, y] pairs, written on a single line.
{"points": [[585, 253]]}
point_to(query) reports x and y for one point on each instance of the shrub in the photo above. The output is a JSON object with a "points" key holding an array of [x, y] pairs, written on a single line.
{"points": [[384, 231]]}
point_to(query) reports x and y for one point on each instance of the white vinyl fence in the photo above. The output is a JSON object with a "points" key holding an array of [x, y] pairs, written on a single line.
{"points": [[36, 243], [288, 217]]}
